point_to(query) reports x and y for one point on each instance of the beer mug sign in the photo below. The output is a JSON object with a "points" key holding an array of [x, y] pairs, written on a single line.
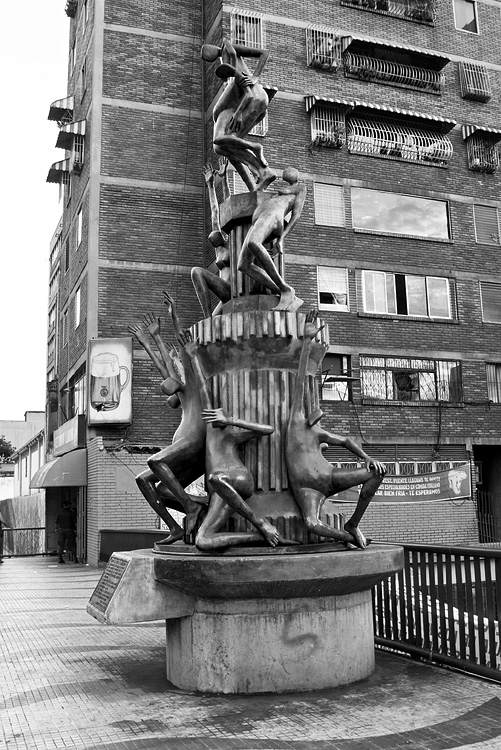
{"points": [[107, 381]]}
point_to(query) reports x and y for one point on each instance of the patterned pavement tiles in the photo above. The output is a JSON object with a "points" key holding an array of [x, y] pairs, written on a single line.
{"points": [[68, 682]]}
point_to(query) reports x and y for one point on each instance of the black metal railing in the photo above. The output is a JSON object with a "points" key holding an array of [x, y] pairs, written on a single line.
{"points": [[444, 606]]}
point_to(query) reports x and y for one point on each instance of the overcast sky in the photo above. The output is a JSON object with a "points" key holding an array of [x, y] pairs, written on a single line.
{"points": [[33, 57]]}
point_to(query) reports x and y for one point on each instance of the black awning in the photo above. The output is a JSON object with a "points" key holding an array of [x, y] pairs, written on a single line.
{"points": [[58, 171], [69, 470], [68, 132], [61, 109]]}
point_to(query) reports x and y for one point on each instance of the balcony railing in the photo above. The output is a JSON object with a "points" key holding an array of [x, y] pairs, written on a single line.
{"points": [[444, 606], [393, 73], [419, 11]]}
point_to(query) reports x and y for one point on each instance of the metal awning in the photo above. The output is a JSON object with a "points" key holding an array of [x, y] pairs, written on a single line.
{"points": [[468, 130], [58, 171], [69, 470], [435, 59], [61, 108], [68, 132], [361, 107]]}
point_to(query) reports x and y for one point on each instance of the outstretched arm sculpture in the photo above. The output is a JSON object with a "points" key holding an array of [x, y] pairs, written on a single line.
{"points": [[313, 478], [229, 480], [204, 281], [241, 106], [179, 464], [268, 224]]}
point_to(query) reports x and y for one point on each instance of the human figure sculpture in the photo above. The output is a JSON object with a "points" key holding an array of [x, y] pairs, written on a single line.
{"points": [[181, 463], [230, 482], [269, 225], [204, 281], [312, 477], [241, 106]]}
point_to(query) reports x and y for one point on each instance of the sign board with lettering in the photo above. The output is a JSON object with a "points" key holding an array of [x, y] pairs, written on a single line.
{"points": [[70, 435], [452, 484], [108, 583]]}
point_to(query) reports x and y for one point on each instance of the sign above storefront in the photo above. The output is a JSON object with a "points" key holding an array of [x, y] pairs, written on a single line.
{"points": [[70, 435]]}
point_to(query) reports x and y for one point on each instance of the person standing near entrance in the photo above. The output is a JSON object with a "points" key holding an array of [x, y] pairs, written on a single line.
{"points": [[65, 529]]}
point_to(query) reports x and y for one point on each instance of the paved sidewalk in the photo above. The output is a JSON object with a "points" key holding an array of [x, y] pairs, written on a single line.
{"points": [[68, 682]]}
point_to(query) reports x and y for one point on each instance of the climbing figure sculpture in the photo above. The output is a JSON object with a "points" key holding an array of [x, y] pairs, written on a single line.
{"points": [[311, 476]]}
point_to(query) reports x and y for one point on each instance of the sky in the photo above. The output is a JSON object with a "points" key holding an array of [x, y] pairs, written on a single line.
{"points": [[33, 61]]}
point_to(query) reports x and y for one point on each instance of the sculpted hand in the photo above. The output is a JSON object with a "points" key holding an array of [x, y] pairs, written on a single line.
{"points": [[138, 332], [168, 302], [209, 173], [152, 324], [378, 467], [235, 123], [215, 416], [310, 325]]}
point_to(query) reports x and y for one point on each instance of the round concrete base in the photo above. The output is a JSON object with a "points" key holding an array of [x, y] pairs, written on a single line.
{"points": [[272, 645]]}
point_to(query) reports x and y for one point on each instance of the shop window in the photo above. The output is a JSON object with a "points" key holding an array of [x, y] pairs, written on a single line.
{"points": [[332, 288], [409, 379], [490, 295], [323, 48], [486, 220], [336, 378], [395, 213], [377, 136], [405, 294], [419, 11], [465, 15], [494, 381], [247, 29], [474, 82], [329, 204]]}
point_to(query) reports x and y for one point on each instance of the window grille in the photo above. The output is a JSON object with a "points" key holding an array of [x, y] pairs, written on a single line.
{"points": [[328, 126], [408, 379], [323, 48], [261, 128], [420, 11], [494, 381], [247, 29], [237, 185], [490, 294], [78, 153], [483, 155], [392, 139], [474, 82], [486, 218], [394, 73], [329, 204]]}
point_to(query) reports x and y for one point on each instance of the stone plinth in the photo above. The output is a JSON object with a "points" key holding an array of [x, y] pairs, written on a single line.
{"points": [[254, 619]]}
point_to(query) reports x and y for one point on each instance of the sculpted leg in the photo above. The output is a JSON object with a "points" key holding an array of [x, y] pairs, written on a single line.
{"points": [[146, 481], [205, 282], [310, 501], [370, 481], [210, 538]]}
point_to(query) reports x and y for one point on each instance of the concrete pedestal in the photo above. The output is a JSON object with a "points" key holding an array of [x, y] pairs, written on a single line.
{"points": [[272, 645]]}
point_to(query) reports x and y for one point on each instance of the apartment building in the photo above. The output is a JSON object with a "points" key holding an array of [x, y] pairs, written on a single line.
{"points": [[390, 112]]}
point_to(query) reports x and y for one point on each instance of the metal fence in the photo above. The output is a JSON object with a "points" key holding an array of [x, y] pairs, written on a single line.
{"points": [[24, 542], [444, 606]]}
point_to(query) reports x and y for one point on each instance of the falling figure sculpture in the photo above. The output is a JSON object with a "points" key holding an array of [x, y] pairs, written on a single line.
{"points": [[311, 476]]}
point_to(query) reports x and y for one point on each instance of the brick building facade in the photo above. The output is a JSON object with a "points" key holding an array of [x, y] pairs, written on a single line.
{"points": [[389, 110]]}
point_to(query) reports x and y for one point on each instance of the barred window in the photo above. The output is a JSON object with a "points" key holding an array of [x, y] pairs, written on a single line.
{"points": [[261, 128], [405, 294], [388, 138], [409, 379], [486, 220], [332, 288], [328, 126], [395, 213], [329, 204], [490, 295], [482, 150], [323, 48], [77, 157], [420, 11], [369, 68], [247, 29], [494, 381], [474, 82], [336, 378]]}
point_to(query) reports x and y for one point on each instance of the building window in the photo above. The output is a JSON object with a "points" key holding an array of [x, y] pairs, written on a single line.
{"points": [[78, 303], [261, 128], [377, 136], [486, 225], [77, 156], [465, 15], [247, 29], [66, 255], [329, 204], [403, 294], [85, 12], [395, 213], [420, 11], [328, 127], [78, 228], [65, 328], [490, 295], [71, 8], [474, 82], [72, 57], [494, 381], [332, 288], [482, 150], [76, 394], [336, 378], [409, 379], [83, 80], [323, 48]]}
